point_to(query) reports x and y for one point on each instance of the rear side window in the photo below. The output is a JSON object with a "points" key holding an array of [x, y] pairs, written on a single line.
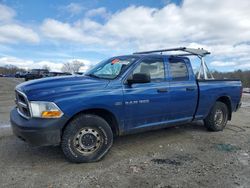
{"points": [[154, 67], [178, 70]]}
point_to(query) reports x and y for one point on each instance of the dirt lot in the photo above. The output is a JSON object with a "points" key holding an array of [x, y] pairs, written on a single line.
{"points": [[183, 156], [7, 95]]}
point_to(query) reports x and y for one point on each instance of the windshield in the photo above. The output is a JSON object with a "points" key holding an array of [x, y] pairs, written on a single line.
{"points": [[111, 68]]}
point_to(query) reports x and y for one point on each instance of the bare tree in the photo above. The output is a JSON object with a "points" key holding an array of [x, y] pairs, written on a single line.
{"points": [[72, 67], [66, 67]]}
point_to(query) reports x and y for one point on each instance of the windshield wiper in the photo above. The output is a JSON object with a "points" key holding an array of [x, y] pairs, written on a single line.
{"points": [[93, 76]]}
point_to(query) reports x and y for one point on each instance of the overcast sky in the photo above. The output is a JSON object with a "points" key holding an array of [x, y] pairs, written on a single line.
{"points": [[34, 33]]}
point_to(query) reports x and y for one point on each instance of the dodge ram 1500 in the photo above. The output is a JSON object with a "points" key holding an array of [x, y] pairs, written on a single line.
{"points": [[121, 95]]}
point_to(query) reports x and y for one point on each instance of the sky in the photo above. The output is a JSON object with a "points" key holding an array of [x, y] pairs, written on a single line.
{"points": [[44, 32]]}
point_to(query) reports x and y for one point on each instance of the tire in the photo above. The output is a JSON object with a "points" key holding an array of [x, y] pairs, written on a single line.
{"points": [[217, 118], [87, 138]]}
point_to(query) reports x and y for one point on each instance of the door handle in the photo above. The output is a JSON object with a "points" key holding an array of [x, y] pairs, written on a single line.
{"points": [[190, 89], [162, 90]]}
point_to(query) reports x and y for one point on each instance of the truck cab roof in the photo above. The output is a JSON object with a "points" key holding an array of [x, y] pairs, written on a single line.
{"points": [[139, 56]]}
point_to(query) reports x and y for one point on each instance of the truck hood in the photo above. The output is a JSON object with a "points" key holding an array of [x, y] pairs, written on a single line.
{"points": [[49, 89]]}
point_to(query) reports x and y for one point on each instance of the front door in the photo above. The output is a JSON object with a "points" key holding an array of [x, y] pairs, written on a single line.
{"points": [[146, 104]]}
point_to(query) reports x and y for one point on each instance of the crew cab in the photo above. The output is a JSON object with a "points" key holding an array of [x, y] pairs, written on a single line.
{"points": [[121, 95]]}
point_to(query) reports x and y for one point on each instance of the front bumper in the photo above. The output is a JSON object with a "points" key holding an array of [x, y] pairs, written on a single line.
{"points": [[37, 131]]}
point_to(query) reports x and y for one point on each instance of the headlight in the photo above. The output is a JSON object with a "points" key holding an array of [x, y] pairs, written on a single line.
{"points": [[45, 109]]}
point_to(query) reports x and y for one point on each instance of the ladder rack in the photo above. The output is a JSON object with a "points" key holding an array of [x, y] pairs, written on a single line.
{"points": [[200, 53]]}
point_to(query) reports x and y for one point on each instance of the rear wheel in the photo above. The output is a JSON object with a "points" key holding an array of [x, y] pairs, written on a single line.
{"points": [[217, 118], [87, 138]]}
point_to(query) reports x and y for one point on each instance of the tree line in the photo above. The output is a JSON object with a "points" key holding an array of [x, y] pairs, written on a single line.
{"points": [[10, 70], [244, 76], [70, 67]]}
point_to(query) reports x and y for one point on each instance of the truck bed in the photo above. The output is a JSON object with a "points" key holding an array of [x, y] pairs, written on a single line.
{"points": [[211, 90]]}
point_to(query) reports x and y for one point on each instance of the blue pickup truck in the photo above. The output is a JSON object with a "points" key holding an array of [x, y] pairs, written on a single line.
{"points": [[121, 95]]}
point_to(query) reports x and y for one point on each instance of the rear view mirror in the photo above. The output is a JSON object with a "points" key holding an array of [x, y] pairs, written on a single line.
{"points": [[139, 78]]}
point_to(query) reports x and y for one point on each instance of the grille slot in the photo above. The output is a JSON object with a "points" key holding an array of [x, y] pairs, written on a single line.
{"points": [[22, 104]]}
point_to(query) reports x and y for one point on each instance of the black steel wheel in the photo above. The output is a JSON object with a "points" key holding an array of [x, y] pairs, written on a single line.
{"points": [[87, 138], [217, 118]]}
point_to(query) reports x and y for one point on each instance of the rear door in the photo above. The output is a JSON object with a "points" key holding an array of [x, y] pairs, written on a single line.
{"points": [[183, 89], [147, 103]]}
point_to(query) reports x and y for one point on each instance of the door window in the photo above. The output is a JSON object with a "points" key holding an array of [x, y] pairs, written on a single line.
{"points": [[178, 70], [154, 67]]}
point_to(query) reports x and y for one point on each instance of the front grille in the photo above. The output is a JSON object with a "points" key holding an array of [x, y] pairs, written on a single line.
{"points": [[22, 104]]}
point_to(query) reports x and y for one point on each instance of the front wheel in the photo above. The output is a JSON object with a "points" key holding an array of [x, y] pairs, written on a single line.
{"points": [[87, 138], [217, 118]]}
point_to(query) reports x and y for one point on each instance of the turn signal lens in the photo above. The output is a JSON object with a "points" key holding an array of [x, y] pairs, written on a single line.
{"points": [[51, 114]]}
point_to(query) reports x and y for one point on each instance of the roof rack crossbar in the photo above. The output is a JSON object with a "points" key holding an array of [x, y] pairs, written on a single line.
{"points": [[186, 54], [163, 50], [189, 51]]}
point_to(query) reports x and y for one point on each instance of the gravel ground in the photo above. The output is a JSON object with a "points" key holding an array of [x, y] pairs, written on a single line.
{"points": [[183, 156], [7, 97]]}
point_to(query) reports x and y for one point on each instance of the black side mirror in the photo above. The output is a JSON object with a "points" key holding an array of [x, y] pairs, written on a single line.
{"points": [[139, 78]]}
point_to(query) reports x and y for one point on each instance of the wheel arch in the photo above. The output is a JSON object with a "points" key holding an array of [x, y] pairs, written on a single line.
{"points": [[227, 101], [103, 113]]}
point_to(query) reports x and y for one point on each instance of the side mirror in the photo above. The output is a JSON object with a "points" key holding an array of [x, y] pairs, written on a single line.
{"points": [[139, 78]]}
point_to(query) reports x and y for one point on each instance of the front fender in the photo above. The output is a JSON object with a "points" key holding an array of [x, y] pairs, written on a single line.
{"points": [[109, 101]]}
